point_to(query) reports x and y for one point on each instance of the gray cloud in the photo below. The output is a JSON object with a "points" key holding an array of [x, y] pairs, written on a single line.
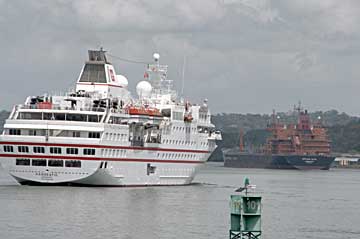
{"points": [[243, 55]]}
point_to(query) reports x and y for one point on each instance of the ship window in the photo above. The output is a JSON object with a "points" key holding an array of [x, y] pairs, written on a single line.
{"points": [[73, 163], [52, 116], [89, 151], [93, 73], [72, 151], [115, 120], [59, 116], [178, 116], [23, 149], [166, 112], [15, 132], [76, 134], [94, 134], [56, 163], [55, 150], [39, 150], [94, 118], [24, 162], [38, 162], [48, 116], [37, 132], [8, 148], [76, 117], [29, 116]]}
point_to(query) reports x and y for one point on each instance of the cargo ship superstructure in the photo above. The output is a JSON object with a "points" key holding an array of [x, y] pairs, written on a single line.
{"points": [[98, 134], [290, 146]]}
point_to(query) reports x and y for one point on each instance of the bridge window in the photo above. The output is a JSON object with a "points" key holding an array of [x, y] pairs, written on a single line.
{"points": [[38, 162], [56, 163], [93, 73], [8, 148], [39, 150], [23, 162], [23, 149]]}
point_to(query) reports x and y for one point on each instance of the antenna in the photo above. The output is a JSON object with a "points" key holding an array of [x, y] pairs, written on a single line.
{"points": [[298, 108], [183, 77], [273, 117], [183, 74]]}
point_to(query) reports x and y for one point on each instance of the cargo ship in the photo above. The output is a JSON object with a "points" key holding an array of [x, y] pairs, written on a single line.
{"points": [[290, 146]]}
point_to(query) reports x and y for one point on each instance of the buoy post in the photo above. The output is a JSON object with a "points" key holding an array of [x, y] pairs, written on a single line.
{"points": [[245, 214]]}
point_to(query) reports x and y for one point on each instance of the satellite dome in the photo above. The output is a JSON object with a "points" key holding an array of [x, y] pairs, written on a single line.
{"points": [[143, 89], [156, 56], [122, 80]]}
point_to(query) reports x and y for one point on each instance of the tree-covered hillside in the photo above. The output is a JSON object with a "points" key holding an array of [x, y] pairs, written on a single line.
{"points": [[3, 116], [346, 138]]}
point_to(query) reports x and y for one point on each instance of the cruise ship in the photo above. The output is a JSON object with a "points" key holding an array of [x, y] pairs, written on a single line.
{"points": [[101, 135]]}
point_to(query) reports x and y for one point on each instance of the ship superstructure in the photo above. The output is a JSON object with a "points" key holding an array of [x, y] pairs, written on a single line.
{"points": [[302, 138], [99, 134], [290, 146]]}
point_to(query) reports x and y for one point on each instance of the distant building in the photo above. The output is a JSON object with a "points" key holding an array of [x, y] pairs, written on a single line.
{"points": [[346, 162]]}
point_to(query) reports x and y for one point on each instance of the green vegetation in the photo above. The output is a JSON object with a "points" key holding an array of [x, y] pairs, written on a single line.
{"points": [[346, 139], [3, 116]]}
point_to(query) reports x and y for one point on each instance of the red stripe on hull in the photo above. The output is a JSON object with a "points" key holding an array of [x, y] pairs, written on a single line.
{"points": [[99, 158], [105, 147]]}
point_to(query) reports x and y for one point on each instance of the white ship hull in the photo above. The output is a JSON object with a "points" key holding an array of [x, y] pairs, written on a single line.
{"points": [[108, 171], [140, 167], [94, 176]]}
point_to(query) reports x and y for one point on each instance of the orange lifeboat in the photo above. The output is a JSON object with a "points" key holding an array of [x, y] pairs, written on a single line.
{"points": [[133, 110], [44, 105]]}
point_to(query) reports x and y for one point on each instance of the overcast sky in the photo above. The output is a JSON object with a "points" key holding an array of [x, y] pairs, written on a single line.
{"points": [[243, 55]]}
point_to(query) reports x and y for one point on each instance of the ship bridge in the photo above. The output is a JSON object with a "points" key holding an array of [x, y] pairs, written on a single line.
{"points": [[98, 75]]}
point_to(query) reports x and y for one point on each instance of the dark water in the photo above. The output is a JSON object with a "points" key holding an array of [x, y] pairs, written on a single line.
{"points": [[296, 204]]}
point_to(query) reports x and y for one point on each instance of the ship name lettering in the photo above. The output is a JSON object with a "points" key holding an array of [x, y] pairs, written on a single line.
{"points": [[309, 159]]}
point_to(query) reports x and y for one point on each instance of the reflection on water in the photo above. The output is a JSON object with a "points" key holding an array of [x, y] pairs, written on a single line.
{"points": [[296, 204]]}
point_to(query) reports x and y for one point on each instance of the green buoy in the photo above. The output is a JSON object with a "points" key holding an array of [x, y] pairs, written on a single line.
{"points": [[245, 214]]}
